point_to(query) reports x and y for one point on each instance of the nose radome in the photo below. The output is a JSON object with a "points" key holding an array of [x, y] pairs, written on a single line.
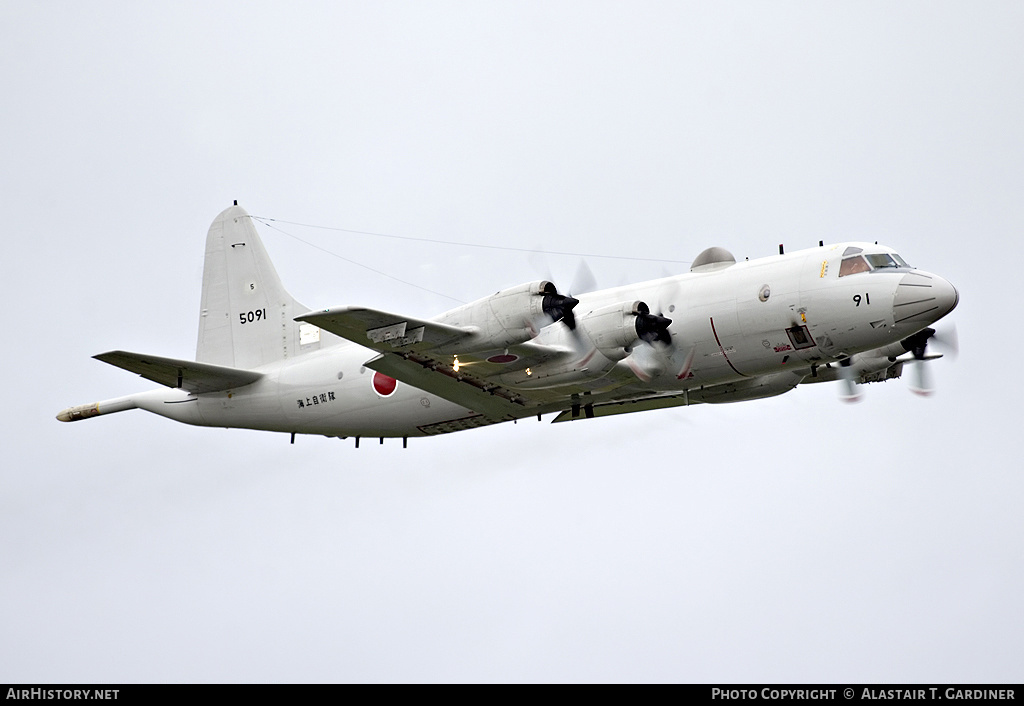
{"points": [[946, 296], [922, 298]]}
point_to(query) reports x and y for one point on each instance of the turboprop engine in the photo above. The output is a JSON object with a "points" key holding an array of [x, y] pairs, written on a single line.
{"points": [[602, 337], [511, 316], [615, 329]]}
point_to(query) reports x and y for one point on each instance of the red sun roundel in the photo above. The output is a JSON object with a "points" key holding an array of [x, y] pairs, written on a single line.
{"points": [[384, 385]]}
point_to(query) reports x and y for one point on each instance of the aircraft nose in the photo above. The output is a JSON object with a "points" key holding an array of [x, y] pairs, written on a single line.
{"points": [[923, 298], [946, 296]]}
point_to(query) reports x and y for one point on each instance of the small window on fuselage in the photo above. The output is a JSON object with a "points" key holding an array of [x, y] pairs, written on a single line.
{"points": [[853, 265]]}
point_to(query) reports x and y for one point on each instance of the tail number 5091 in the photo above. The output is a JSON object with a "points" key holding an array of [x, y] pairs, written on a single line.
{"points": [[249, 317]]}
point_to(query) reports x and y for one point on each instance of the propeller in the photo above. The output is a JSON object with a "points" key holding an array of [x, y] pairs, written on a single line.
{"points": [[922, 382], [848, 376], [559, 307], [652, 328], [918, 346], [583, 281], [948, 341]]}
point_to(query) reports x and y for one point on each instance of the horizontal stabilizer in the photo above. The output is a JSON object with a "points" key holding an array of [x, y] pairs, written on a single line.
{"points": [[185, 374]]}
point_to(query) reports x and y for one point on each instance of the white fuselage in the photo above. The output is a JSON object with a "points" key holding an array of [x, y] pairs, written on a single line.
{"points": [[774, 318]]}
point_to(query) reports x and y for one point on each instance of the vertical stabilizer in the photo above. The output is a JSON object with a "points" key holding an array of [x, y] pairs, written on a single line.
{"points": [[246, 317]]}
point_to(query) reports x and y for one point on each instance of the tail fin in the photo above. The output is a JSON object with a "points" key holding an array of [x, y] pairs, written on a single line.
{"points": [[246, 317]]}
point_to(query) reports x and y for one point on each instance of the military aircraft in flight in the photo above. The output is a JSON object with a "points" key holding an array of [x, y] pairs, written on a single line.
{"points": [[725, 331]]}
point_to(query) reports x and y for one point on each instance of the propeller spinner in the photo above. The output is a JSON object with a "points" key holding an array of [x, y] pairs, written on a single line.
{"points": [[559, 307], [650, 327]]}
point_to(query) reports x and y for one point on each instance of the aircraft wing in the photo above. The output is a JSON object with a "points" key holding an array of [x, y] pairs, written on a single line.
{"points": [[491, 400], [419, 353], [185, 374], [384, 331], [606, 409]]}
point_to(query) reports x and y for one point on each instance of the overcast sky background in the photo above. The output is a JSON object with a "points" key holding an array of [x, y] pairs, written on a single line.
{"points": [[790, 539]]}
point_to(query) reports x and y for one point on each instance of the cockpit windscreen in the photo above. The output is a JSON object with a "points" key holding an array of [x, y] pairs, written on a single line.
{"points": [[854, 262], [886, 260]]}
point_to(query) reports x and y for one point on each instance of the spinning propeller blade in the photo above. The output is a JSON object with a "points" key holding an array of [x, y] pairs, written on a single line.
{"points": [[847, 374], [947, 341]]}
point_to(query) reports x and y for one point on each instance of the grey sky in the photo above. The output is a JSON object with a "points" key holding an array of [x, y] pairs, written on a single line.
{"points": [[788, 539]]}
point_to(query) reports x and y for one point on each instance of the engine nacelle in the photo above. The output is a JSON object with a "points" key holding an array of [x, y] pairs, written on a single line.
{"points": [[612, 329], [511, 316], [871, 362], [615, 329], [873, 366]]}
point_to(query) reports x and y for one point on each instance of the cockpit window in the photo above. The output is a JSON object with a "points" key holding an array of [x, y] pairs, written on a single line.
{"points": [[853, 265], [886, 260], [854, 262]]}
